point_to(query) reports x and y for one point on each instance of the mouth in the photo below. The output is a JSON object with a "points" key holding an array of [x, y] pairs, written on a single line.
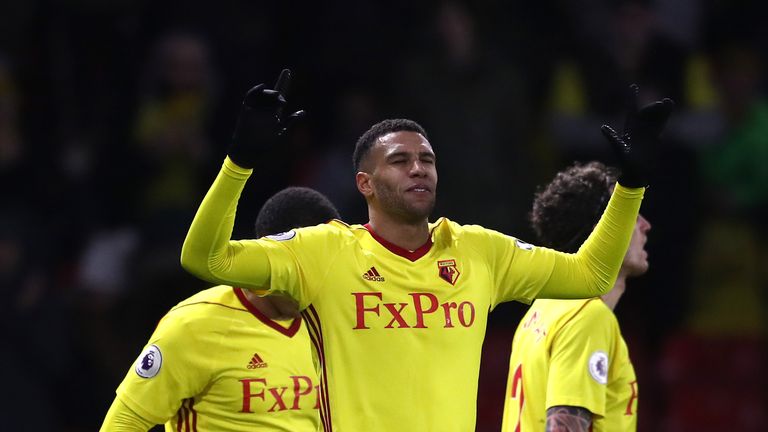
{"points": [[420, 188]]}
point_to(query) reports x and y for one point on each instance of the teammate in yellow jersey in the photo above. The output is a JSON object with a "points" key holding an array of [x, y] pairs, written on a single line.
{"points": [[569, 369], [399, 305], [226, 359]]}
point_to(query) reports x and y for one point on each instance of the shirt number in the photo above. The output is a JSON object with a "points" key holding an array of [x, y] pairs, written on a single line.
{"points": [[517, 393]]}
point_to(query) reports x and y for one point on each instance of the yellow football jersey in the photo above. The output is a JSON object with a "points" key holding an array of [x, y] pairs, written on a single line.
{"points": [[400, 332], [215, 363], [570, 352]]}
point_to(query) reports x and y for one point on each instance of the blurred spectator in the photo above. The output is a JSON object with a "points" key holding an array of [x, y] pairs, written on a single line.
{"points": [[734, 168], [13, 154], [34, 319], [730, 280], [171, 151], [474, 104], [355, 110], [33, 324], [614, 44], [178, 93], [725, 328], [731, 254]]}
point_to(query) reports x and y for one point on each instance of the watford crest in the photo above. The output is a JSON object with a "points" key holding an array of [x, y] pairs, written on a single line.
{"points": [[448, 271]]}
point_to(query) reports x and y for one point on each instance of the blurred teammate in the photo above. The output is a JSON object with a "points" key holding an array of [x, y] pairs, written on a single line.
{"points": [[226, 359], [570, 369], [399, 305]]}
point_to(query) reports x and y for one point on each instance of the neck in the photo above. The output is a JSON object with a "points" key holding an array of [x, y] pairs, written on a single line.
{"points": [[612, 297], [265, 306], [410, 236]]}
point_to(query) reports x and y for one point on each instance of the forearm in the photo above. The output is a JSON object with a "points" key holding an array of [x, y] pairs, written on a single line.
{"points": [[120, 418], [568, 419], [208, 252], [593, 269]]}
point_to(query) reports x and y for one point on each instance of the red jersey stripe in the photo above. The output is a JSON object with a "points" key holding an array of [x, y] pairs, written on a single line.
{"points": [[312, 330], [194, 414], [315, 337], [185, 416], [179, 418], [313, 321], [324, 386]]}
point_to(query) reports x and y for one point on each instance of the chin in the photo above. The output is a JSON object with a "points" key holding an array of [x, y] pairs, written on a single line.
{"points": [[420, 212], [639, 269]]}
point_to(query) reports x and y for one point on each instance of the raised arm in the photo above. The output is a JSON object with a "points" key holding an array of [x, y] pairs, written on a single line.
{"points": [[208, 252], [593, 269]]}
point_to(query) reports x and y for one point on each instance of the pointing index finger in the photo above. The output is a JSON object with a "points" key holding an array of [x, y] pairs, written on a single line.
{"points": [[631, 98], [281, 86]]}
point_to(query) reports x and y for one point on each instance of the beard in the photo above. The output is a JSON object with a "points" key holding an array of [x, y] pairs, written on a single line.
{"points": [[396, 205], [636, 266]]}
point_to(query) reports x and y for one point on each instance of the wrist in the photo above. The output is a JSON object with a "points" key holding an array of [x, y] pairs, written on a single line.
{"points": [[236, 170], [628, 192], [239, 160]]}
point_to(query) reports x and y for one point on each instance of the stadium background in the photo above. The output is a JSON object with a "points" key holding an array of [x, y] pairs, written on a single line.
{"points": [[114, 118]]}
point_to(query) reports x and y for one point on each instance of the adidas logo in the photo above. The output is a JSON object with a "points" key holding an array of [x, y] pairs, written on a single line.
{"points": [[256, 362], [373, 275]]}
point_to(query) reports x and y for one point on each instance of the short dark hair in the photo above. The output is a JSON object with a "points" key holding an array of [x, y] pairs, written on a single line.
{"points": [[294, 207], [366, 141], [565, 211]]}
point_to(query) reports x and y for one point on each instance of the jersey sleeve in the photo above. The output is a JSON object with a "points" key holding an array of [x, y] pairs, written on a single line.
{"points": [[169, 370], [120, 418], [208, 252], [581, 353], [301, 259], [520, 268], [525, 272]]}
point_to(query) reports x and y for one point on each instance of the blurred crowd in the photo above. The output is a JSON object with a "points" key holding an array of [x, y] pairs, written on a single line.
{"points": [[115, 117]]}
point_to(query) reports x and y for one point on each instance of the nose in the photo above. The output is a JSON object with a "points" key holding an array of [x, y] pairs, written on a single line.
{"points": [[643, 223], [417, 169]]}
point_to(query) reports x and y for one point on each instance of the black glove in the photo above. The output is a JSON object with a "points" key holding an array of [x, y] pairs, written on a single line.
{"points": [[639, 138], [261, 123]]}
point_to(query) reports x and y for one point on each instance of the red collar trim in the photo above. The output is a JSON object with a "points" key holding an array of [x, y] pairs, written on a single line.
{"points": [[397, 250], [290, 331]]}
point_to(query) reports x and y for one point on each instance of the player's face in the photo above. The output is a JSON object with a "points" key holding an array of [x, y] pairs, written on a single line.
{"points": [[403, 176], [636, 259]]}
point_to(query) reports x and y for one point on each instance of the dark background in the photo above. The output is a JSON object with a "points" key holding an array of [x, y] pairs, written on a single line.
{"points": [[115, 116]]}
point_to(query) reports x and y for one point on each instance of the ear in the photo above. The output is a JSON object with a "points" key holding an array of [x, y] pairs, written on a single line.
{"points": [[363, 182]]}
